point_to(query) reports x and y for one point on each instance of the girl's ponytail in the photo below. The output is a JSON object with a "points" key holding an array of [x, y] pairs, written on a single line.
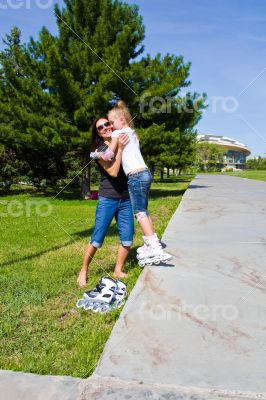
{"points": [[121, 108]]}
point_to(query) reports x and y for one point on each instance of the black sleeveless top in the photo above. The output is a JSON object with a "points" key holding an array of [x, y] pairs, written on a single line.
{"points": [[113, 188]]}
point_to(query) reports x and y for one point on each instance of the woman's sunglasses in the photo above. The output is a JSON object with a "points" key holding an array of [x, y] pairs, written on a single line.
{"points": [[104, 125]]}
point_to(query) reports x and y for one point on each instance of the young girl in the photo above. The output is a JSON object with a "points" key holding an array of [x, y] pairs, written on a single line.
{"points": [[139, 182]]}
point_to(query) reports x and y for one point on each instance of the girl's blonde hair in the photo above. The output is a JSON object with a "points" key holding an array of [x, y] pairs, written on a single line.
{"points": [[121, 109]]}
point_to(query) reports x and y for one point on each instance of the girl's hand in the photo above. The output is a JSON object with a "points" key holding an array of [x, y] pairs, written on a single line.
{"points": [[123, 140]]}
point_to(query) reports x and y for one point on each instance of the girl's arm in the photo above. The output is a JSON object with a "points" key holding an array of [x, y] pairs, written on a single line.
{"points": [[113, 167], [115, 139], [113, 144], [108, 154]]}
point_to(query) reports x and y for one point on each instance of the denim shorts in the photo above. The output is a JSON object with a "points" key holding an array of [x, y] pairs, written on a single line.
{"points": [[139, 185], [106, 210]]}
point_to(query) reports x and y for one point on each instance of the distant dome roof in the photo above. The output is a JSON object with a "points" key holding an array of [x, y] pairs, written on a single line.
{"points": [[224, 141]]}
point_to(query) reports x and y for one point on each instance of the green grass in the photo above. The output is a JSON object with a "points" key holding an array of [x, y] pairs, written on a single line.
{"points": [[41, 329], [250, 174]]}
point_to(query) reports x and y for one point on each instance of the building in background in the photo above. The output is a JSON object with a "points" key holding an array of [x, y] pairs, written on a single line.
{"points": [[236, 152]]}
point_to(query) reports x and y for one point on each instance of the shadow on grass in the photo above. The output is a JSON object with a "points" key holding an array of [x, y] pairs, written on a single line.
{"points": [[15, 192], [38, 254], [160, 193], [76, 236], [173, 180], [68, 194]]}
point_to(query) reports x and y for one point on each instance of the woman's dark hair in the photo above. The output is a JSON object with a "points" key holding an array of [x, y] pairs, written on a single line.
{"points": [[96, 140]]}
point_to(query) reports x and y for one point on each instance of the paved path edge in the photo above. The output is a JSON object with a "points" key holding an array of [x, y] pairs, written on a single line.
{"points": [[100, 388]]}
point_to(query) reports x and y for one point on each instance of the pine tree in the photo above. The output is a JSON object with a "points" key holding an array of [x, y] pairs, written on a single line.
{"points": [[32, 127]]}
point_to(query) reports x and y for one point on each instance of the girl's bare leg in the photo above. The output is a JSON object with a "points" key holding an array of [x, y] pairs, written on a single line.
{"points": [[88, 256], [151, 223], [121, 259], [146, 227]]}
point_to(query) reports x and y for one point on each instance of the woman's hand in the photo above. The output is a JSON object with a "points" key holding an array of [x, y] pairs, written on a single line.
{"points": [[123, 140]]}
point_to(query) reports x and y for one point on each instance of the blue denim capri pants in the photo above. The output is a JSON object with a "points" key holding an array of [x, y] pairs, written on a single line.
{"points": [[106, 210], [139, 184]]}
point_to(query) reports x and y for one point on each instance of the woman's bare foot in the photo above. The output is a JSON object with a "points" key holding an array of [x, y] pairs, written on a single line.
{"points": [[82, 278], [120, 274]]}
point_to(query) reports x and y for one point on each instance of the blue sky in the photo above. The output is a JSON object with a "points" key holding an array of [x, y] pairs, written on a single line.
{"points": [[225, 40]]}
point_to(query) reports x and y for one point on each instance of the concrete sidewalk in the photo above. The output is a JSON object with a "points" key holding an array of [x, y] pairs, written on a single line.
{"points": [[195, 329], [201, 323]]}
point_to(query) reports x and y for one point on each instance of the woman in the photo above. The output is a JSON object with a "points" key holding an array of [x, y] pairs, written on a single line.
{"points": [[113, 201]]}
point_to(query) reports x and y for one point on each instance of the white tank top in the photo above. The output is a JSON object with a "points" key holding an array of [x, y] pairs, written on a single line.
{"points": [[131, 156]]}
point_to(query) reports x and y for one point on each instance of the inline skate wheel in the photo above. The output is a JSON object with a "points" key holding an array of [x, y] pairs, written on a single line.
{"points": [[144, 263], [87, 306], [104, 308], [96, 307], [80, 303], [120, 303]]}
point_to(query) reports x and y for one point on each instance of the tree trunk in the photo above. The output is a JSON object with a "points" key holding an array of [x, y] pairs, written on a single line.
{"points": [[86, 179], [7, 186], [161, 174], [168, 173]]}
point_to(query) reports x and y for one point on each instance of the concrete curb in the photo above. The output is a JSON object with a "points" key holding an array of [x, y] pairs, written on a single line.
{"points": [[25, 386], [99, 388]]}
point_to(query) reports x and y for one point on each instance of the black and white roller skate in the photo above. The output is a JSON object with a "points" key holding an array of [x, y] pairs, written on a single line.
{"points": [[120, 294], [108, 295], [100, 298]]}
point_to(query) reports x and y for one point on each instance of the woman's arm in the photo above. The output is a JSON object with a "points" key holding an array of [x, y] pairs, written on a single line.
{"points": [[113, 167]]}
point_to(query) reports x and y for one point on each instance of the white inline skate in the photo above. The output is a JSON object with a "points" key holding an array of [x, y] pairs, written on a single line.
{"points": [[145, 245], [108, 295], [152, 253]]}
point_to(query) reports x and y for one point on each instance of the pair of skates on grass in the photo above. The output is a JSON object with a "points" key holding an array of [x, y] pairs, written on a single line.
{"points": [[151, 252], [108, 295]]}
